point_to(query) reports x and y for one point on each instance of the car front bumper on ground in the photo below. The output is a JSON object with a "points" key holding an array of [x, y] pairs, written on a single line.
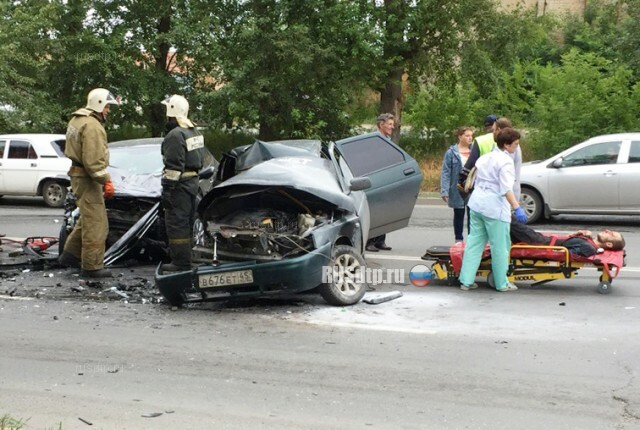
{"points": [[244, 279]]}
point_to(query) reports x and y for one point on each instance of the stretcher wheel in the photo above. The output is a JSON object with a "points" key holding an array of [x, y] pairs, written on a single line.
{"points": [[604, 287]]}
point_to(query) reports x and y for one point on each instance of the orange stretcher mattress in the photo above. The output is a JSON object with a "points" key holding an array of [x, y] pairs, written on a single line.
{"points": [[610, 261]]}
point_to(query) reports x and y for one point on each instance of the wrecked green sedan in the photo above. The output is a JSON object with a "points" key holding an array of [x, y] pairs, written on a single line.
{"points": [[290, 216]]}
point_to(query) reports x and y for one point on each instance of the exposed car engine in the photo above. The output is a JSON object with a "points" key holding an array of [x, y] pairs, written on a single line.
{"points": [[265, 234]]}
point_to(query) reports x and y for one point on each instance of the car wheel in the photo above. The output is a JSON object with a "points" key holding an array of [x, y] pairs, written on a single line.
{"points": [[54, 194], [531, 202], [346, 286], [200, 235]]}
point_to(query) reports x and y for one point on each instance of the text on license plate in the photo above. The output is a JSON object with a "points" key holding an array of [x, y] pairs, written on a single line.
{"points": [[238, 277]]}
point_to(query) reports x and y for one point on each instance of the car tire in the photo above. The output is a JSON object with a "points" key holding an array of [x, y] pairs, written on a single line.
{"points": [[54, 194], [347, 287], [531, 202]]}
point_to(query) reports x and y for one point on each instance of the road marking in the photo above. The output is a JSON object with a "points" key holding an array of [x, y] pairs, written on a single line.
{"points": [[412, 258], [370, 326], [393, 257], [5, 297]]}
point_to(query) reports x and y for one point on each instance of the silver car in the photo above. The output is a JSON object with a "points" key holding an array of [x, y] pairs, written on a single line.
{"points": [[600, 176]]}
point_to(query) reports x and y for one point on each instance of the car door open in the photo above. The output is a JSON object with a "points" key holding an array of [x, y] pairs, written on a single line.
{"points": [[395, 179]]}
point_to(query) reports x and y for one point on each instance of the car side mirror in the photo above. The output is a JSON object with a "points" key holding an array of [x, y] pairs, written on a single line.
{"points": [[206, 173], [359, 184], [557, 163]]}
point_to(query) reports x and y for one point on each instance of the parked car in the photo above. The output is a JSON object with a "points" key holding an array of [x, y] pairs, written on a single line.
{"points": [[136, 219], [34, 165], [284, 212], [599, 176]]}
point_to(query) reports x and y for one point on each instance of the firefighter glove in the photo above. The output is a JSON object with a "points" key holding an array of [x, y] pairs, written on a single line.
{"points": [[109, 191]]}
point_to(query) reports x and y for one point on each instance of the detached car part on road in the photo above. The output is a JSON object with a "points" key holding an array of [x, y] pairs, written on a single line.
{"points": [[285, 213]]}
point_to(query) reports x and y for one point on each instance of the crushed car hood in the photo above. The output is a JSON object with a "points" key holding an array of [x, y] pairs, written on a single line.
{"points": [[258, 152], [308, 175]]}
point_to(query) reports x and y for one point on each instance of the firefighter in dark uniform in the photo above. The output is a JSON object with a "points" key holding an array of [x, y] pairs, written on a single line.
{"points": [[182, 154], [86, 146]]}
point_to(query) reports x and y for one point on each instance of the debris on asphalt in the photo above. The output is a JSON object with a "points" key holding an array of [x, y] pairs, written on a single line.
{"points": [[381, 298], [562, 304], [133, 286], [152, 415], [89, 423]]}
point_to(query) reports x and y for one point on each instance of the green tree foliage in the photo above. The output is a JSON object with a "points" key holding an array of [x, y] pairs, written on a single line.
{"points": [[491, 75], [24, 45], [584, 96], [289, 66], [292, 68], [422, 39], [155, 44]]}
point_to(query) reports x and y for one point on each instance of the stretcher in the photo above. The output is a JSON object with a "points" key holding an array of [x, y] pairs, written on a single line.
{"points": [[540, 264]]}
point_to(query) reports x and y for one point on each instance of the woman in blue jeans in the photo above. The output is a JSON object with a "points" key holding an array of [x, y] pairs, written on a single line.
{"points": [[454, 160], [491, 203]]}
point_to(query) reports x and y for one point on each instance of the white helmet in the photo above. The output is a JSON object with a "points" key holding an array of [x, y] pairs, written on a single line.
{"points": [[178, 107], [98, 98]]}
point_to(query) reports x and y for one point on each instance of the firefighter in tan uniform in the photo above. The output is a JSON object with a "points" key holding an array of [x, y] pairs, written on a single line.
{"points": [[182, 154], [86, 146]]}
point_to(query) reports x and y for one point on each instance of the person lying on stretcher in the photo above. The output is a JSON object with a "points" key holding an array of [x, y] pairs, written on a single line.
{"points": [[579, 243]]}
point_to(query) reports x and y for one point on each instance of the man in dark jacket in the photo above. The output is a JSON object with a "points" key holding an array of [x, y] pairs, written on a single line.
{"points": [[385, 124], [182, 154], [86, 146], [579, 243]]}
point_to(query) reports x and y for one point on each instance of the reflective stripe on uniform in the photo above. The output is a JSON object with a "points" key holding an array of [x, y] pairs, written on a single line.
{"points": [[100, 173], [186, 241], [172, 175], [189, 174], [195, 142]]}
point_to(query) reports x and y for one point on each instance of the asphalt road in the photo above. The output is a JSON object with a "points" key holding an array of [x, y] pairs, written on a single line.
{"points": [[560, 356]]}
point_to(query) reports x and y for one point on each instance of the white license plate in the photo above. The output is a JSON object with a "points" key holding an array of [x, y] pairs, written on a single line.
{"points": [[239, 277]]}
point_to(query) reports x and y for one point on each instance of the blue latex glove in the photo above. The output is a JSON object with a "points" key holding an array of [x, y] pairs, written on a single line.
{"points": [[520, 215]]}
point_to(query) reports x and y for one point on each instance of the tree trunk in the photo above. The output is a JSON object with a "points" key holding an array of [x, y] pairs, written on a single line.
{"points": [[391, 99], [265, 132], [157, 111]]}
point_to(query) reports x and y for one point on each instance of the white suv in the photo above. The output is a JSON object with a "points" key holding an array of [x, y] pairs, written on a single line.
{"points": [[34, 165]]}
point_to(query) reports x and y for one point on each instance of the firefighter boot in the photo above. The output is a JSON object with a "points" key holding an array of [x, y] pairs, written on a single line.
{"points": [[100, 273], [67, 259]]}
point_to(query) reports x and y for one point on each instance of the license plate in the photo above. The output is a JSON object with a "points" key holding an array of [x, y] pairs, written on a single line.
{"points": [[239, 277]]}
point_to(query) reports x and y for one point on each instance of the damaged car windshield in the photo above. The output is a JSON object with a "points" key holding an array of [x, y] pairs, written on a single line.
{"points": [[135, 160]]}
